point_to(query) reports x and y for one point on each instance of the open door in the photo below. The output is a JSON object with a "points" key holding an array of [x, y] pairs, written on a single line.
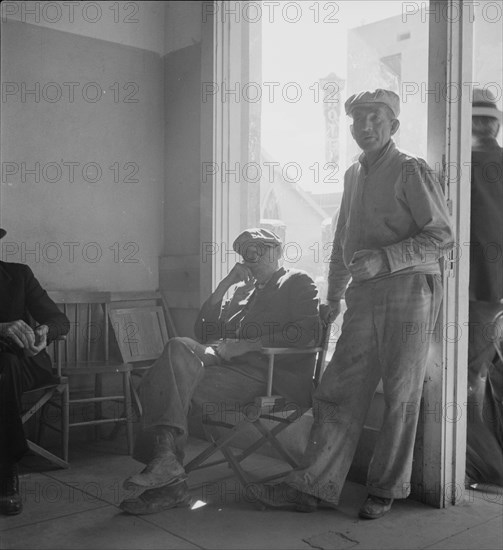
{"points": [[272, 104]]}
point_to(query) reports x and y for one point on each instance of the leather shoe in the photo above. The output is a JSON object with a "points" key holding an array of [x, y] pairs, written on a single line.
{"points": [[375, 507], [283, 496], [10, 499], [159, 472], [158, 500], [164, 469]]}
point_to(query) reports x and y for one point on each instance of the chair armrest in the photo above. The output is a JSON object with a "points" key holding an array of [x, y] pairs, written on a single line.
{"points": [[57, 351], [289, 351]]}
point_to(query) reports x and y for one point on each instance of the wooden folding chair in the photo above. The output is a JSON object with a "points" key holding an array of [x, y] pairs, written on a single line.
{"points": [[55, 394], [84, 354], [268, 408], [141, 335], [163, 329]]}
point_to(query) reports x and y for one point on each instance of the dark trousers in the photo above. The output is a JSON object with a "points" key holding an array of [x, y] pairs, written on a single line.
{"points": [[484, 426], [17, 375]]}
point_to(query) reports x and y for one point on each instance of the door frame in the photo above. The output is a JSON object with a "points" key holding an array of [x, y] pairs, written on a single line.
{"points": [[441, 444]]}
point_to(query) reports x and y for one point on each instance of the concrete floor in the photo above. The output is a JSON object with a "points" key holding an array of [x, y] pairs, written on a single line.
{"points": [[78, 508]]}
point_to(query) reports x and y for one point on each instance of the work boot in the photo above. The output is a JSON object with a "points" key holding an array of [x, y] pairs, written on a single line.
{"points": [[158, 500], [10, 499], [375, 507], [164, 468]]}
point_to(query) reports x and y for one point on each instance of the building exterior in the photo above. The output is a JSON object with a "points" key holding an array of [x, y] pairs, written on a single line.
{"points": [[293, 213]]}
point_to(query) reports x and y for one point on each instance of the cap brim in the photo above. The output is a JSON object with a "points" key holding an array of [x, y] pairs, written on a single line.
{"points": [[2, 233], [371, 103], [487, 111], [243, 245]]}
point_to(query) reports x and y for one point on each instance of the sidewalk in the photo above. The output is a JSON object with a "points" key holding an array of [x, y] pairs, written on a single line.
{"points": [[78, 508]]}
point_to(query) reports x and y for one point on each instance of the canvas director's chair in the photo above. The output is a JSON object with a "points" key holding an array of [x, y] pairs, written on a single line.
{"points": [[269, 416]]}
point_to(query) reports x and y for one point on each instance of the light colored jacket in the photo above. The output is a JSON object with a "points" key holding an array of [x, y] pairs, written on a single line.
{"points": [[397, 205]]}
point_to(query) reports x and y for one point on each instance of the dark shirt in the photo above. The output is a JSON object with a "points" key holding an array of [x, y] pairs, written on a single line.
{"points": [[285, 313], [486, 232]]}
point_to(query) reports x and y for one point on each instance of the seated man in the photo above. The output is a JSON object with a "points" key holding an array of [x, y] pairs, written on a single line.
{"points": [[270, 306], [24, 364]]}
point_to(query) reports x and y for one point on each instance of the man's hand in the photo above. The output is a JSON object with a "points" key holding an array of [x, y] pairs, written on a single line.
{"points": [[40, 339], [330, 311], [23, 336], [239, 273], [19, 332], [366, 264], [227, 349]]}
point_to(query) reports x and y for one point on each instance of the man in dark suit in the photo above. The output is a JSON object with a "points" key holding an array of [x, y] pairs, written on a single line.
{"points": [[24, 364], [484, 450]]}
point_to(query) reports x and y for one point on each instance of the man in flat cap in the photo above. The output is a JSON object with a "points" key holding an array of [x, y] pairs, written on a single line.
{"points": [[484, 452], [392, 230], [24, 364], [270, 307]]}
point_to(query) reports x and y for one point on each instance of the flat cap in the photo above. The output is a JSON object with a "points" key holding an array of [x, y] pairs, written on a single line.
{"points": [[484, 104], [384, 97], [255, 235], [2, 233]]}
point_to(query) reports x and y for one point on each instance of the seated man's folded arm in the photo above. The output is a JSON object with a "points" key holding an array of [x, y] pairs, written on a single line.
{"points": [[43, 309], [213, 322], [208, 324]]}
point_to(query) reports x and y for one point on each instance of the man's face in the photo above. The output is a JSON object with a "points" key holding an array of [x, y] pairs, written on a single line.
{"points": [[373, 126], [260, 259]]}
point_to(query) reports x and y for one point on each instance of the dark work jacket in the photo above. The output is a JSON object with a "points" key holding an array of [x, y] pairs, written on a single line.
{"points": [[484, 451], [486, 233], [22, 297], [285, 313]]}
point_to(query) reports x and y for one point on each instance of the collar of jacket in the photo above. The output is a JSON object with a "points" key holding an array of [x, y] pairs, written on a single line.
{"points": [[5, 276], [385, 151], [486, 144], [274, 277]]}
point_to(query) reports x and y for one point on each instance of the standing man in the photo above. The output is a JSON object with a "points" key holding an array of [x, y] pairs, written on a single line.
{"points": [[24, 364], [484, 452], [392, 230], [486, 224]]}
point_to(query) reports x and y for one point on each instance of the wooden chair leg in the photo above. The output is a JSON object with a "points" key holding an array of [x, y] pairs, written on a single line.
{"points": [[136, 406], [136, 398], [65, 421], [129, 411], [40, 424], [98, 407]]}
